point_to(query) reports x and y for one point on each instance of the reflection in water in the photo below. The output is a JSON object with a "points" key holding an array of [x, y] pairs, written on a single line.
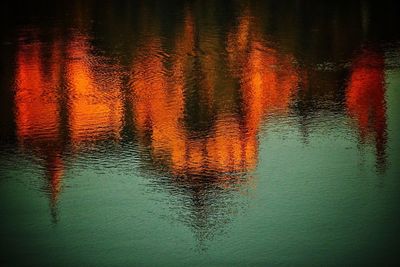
{"points": [[197, 102], [199, 158], [229, 145], [70, 97], [365, 101], [94, 97], [49, 116], [268, 79], [37, 109], [264, 132]]}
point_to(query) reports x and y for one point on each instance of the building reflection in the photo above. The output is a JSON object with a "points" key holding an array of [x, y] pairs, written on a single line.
{"points": [[66, 97], [220, 152], [94, 95], [37, 116], [52, 118], [268, 78], [194, 102], [365, 101], [160, 101]]}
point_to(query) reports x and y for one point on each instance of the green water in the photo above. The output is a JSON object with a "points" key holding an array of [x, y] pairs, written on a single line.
{"points": [[84, 182]]}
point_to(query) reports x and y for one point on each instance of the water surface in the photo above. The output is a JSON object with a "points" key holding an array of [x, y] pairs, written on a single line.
{"points": [[210, 133]]}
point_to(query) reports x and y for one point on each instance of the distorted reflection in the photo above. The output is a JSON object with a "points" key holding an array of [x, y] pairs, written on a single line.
{"points": [[194, 105], [219, 152], [71, 97], [267, 83], [268, 79], [94, 96], [200, 132], [52, 118], [365, 100], [38, 118]]}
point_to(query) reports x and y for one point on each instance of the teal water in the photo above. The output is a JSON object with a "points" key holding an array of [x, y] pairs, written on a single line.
{"points": [[200, 134]]}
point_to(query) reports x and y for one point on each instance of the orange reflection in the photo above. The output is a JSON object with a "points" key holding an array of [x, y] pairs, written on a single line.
{"points": [[61, 101], [267, 84], [95, 108], [70, 96], [268, 79], [37, 107], [37, 93], [365, 100]]}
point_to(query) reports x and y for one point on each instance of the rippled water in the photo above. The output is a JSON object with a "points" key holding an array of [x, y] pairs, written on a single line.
{"points": [[213, 133]]}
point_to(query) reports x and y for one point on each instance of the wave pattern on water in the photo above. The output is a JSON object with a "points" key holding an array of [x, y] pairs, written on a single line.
{"points": [[185, 104]]}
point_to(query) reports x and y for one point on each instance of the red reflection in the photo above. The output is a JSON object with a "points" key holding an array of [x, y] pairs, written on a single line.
{"points": [[365, 100], [48, 85], [37, 107], [267, 79], [95, 107], [37, 93], [66, 95]]}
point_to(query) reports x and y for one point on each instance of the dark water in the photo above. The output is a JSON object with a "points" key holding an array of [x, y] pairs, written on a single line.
{"points": [[199, 133]]}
